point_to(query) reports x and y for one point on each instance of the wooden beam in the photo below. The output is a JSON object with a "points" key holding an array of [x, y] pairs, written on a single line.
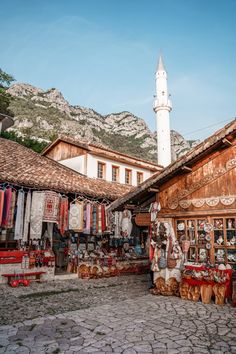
{"points": [[186, 169], [155, 190], [226, 142], [129, 206], [147, 202]]}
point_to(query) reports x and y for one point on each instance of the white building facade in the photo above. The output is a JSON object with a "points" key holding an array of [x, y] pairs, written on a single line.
{"points": [[98, 162]]}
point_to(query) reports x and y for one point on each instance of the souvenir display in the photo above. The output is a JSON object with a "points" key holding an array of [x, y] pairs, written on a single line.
{"points": [[167, 258], [208, 227], [76, 231], [181, 226], [209, 281]]}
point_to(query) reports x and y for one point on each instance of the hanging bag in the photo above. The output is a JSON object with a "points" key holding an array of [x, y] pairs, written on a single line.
{"points": [[162, 260], [171, 262], [154, 265]]}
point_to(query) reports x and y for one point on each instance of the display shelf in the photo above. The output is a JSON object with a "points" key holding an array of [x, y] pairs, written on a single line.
{"points": [[223, 228]]}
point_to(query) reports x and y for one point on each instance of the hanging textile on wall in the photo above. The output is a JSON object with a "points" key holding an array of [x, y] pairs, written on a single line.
{"points": [[126, 223], [118, 218], [110, 217], [51, 207], [103, 218], [6, 206], [10, 222], [94, 220], [36, 218], [27, 217], [154, 209], [99, 219], [63, 215], [87, 218], [76, 216], [19, 215], [1, 205], [50, 232]]}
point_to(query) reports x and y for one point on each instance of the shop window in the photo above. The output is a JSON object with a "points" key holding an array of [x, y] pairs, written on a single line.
{"points": [[139, 178], [211, 238], [193, 230], [225, 240], [128, 176], [101, 170], [115, 173]]}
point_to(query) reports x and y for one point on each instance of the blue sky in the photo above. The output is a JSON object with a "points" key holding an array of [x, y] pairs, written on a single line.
{"points": [[102, 54]]}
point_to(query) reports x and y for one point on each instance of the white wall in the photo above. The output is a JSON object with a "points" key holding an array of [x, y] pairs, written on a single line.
{"points": [[75, 163], [92, 169]]}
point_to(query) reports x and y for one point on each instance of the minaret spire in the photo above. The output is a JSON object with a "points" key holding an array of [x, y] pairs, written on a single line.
{"points": [[162, 107], [160, 66]]}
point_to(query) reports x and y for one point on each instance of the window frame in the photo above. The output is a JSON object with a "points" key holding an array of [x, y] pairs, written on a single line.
{"points": [[103, 164], [129, 171], [117, 169], [139, 174]]}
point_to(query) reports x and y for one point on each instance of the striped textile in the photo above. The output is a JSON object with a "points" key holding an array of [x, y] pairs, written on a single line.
{"points": [[63, 215], [1, 205], [10, 222], [6, 206]]}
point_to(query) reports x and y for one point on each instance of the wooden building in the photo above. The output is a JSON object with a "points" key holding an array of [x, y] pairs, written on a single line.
{"points": [[100, 162], [198, 194]]}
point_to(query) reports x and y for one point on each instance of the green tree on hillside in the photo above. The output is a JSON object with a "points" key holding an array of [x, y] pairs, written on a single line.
{"points": [[5, 98]]}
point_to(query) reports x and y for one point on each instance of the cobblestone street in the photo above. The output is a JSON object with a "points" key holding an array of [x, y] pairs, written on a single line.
{"points": [[110, 315]]}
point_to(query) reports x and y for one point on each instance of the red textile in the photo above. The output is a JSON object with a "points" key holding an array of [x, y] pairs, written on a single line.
{"points": [[63, 215], [6, 206], [10, 220], [1, 205], [51, 207], [103, 218], [151, 252], [151, 248]]}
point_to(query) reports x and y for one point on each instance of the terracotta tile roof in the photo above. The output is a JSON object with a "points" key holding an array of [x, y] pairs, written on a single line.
{"points": [[209, 144], [104, 151], [24, 167]]}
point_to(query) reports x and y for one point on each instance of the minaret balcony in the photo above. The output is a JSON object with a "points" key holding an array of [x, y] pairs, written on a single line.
{"points": [[160, 104]]}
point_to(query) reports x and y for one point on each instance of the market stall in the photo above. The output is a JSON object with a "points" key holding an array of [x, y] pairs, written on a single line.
{"points": [[57, 234], [191, 208], [51, 218]]}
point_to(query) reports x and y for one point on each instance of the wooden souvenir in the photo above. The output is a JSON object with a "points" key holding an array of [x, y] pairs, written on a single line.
{"points": [[219, 291], [190, 292], [184, 289], [160, 285], [172, 287], [195, 293], [84, 271], [206, 293]]}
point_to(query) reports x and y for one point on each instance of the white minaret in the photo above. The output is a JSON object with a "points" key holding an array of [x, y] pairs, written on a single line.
{"points": [[162, 107]]}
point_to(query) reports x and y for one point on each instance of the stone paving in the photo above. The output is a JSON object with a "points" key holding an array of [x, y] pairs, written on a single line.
{"points": [[138, 322]]}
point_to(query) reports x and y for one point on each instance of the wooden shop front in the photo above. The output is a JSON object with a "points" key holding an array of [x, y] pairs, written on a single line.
{"points": [[197, 193]]}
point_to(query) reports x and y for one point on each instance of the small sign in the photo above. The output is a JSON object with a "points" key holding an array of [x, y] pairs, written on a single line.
{"points": [[143, 219]]}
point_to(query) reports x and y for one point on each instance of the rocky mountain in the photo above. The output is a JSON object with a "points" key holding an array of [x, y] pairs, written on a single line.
{"points": [[44, 115]]}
